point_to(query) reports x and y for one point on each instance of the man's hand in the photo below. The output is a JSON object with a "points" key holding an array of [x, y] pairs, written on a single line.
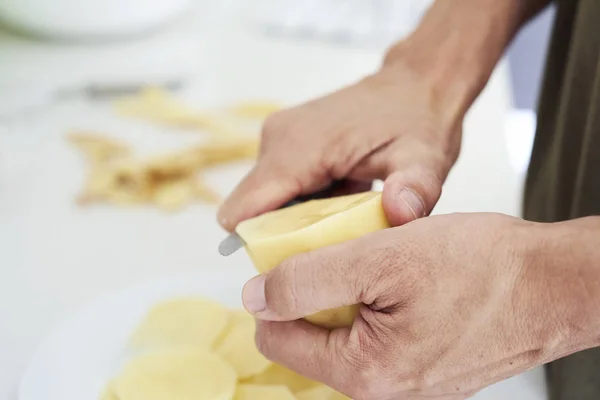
{"points": [[450, 304], [389, 125], [402, 124]]}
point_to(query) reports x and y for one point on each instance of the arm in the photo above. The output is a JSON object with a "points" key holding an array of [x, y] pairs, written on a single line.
{"points": [[570, 252], [459, 42]]}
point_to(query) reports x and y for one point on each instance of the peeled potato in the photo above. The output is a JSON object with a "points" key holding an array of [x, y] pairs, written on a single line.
{"points": [[263, 392], [239, 349], [183, 374], [276, 374], [339, 396], [181, 322], [277, 235], [317, 393]]}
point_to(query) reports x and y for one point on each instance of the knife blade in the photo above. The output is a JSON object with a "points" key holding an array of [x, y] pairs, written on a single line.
{"points": [[234, 242], [231, 244]]}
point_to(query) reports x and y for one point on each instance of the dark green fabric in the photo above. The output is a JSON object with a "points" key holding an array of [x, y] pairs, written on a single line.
{"points": [[564, 175]]}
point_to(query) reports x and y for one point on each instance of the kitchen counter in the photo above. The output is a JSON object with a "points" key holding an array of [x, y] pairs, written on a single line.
{"points": [[56, 257]]}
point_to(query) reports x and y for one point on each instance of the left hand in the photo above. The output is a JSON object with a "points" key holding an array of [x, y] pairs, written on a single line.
{"points": [[450, 305]]}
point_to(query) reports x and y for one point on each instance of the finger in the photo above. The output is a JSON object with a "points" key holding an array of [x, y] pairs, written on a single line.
{"points": [[265, 188], [331, 277], [304, 348], [410, 194], [413, 175]]}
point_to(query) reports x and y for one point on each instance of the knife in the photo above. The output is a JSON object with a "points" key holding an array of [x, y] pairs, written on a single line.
{"points": [[234, 242]]}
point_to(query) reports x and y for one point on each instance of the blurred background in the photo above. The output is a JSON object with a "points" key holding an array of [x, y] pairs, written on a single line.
{"points": [[64, 64]]}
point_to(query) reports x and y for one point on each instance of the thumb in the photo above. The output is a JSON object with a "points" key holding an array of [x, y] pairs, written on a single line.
{"points": [[410, 194], [308, 283], [265, 188]]}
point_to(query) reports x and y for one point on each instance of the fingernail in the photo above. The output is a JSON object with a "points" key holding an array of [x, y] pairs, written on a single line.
{"points": [[413, 202], [253, 294], [222, 219]]}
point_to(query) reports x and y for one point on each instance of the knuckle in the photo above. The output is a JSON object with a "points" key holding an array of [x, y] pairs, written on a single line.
{"points": [[282, 287], [290, 276], [264, 342], [378, 280]]}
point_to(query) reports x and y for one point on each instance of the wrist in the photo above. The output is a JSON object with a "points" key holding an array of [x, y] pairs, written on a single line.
{"points": [[451, 93], [566, 264], [457, 46]]}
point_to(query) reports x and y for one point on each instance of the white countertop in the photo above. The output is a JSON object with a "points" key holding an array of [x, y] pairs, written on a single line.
{"points": [[56, 257]]}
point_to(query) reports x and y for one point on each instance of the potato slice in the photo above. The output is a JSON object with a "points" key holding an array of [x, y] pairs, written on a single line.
{"points": [[240, 316], [183, 374], [109, 393], [276, 374], [263, 392], [277, 235], [181, 322], [239, 349], [317, 393]]}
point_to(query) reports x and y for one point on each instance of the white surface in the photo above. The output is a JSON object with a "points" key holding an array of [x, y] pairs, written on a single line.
{"points": [[77, 19], [77, 361], [348, 21], [520, 134], [55, 257]]}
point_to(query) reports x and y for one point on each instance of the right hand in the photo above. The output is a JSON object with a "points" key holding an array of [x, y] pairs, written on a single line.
{"points": [[395, 125]]}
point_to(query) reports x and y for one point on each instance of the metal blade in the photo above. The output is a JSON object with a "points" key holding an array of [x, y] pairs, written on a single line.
{"points": [[231, 244]]}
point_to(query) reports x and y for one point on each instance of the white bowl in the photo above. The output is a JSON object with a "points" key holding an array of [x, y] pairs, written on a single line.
{"points": [[89, 19]]}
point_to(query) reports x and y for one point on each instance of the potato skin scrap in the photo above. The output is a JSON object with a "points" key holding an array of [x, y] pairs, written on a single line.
{"points": [[255, 109], [98, 149], [118, 178], [174, 195]]}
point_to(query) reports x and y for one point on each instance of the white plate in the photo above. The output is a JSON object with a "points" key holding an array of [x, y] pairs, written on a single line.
{"points": [[76, 361]]}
